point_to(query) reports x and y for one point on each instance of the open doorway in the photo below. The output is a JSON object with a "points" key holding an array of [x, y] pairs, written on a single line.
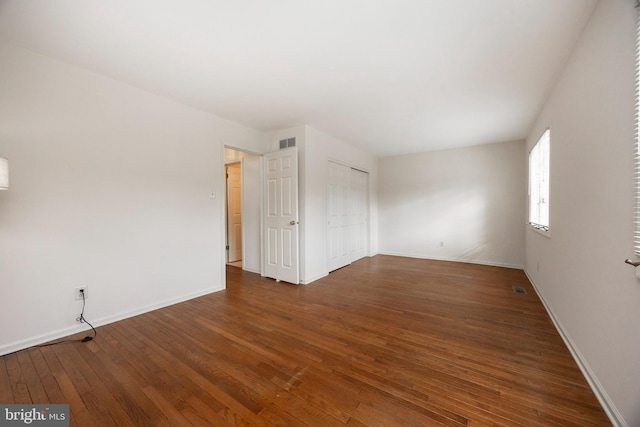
{"points": [[243, 213]]}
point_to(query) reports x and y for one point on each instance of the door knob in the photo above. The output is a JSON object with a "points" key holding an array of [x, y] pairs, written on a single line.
{"points": [[293, 222]]}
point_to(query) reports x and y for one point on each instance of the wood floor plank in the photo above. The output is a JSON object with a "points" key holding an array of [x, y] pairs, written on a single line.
{"points": [[17, 384], [6, 395], [79, 414], [49, 384], [236, 405], [385, 341], [110, 403], [134, 401], [31, 378]]}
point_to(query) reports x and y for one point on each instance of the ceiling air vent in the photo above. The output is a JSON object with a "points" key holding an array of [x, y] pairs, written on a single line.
{"points": [[286, 143]]}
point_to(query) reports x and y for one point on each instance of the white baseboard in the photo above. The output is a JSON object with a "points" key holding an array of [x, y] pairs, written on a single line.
{"points": [[313, 279], [601, 394], [64, 332], [251, 270], [41, 339], [470, 261]]}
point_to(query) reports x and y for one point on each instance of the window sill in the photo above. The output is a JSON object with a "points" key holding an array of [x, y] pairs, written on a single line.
{"points": [[542, 231]]}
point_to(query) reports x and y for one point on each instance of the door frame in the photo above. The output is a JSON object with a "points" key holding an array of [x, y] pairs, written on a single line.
{"points": [[220, 194]]}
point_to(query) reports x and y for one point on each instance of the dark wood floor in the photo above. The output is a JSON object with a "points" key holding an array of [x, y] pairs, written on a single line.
{"points": [[386, 341]]}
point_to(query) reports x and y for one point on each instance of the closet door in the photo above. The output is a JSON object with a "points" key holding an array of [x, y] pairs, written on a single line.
{"points": [[358, 214], [348, 209], [338, 215]]}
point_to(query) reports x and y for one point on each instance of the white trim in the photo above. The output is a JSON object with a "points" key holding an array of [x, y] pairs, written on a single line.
{"points": [[601, 394], [541, 231], [348, 164], [318, 277], [262, 215], [243, 213], [250, 270], [65, 332], [468, 261], [221, 184]]}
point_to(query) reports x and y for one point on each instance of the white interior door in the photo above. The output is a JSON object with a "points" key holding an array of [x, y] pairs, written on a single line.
{"points": [[338, 215], [281, 215], [234, 213]]}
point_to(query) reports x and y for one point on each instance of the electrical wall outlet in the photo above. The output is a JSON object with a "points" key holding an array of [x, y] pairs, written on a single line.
{"points": [[79, 291]]}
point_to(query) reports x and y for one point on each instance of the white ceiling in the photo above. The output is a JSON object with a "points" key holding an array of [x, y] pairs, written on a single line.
{"points": [[395, 77]]}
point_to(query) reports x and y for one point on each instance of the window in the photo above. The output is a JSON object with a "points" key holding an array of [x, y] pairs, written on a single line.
{"points": [[539, 183]]}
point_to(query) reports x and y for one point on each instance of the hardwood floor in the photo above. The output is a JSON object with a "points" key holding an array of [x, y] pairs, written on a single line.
{"points": [[387, 341]]}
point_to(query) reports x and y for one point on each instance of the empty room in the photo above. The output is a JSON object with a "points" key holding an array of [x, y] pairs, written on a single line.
{"points": [[325, 213]]}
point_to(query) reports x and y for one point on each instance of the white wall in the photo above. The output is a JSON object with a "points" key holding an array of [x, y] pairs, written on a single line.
{"points": [[109, 189], [579, 271], [251, 199], [470, 199]]}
